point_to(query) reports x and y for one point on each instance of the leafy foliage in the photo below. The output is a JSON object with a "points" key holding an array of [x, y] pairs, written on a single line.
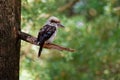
{"points": [[92, 30]]}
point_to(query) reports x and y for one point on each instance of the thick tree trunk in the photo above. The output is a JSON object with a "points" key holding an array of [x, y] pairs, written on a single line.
{"points": [[9, 40]]}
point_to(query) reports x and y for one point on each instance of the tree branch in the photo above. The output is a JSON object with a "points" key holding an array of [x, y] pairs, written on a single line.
{"points": [[67, 6], [33, 40]]}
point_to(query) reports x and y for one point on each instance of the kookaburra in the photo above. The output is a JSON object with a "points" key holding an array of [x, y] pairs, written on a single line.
{"points": [[48, 32]]}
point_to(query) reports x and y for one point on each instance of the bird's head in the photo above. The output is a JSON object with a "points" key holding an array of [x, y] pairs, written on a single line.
{"points": [[54, 21]]}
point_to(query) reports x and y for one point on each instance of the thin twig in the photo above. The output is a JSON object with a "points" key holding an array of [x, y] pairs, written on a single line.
{"points": [[67, 6]]}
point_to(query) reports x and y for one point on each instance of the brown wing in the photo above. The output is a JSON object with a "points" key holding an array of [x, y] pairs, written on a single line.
{"points": [[45, 33]]}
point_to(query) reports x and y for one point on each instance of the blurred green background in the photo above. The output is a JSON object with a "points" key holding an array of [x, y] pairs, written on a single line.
{"points": [[92, 27]]}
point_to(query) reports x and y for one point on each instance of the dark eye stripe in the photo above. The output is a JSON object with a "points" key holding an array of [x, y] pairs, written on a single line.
{"points": [[55, 21]]}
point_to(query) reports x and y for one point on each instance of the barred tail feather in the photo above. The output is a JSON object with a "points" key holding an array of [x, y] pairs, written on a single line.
{"points": [[40, 50]]}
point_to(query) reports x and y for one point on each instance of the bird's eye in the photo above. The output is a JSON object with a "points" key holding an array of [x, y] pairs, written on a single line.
{"points": [[52, 21], [55, 21]]}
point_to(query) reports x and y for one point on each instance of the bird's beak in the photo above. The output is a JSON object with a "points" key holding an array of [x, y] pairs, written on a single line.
{"points": [[60, 25]]}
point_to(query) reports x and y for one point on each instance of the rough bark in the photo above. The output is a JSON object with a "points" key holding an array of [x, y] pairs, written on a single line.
{"points": [[9, 41]]}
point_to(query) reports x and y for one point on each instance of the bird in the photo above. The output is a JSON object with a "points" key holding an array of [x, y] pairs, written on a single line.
{"points": [[48, 32]]}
